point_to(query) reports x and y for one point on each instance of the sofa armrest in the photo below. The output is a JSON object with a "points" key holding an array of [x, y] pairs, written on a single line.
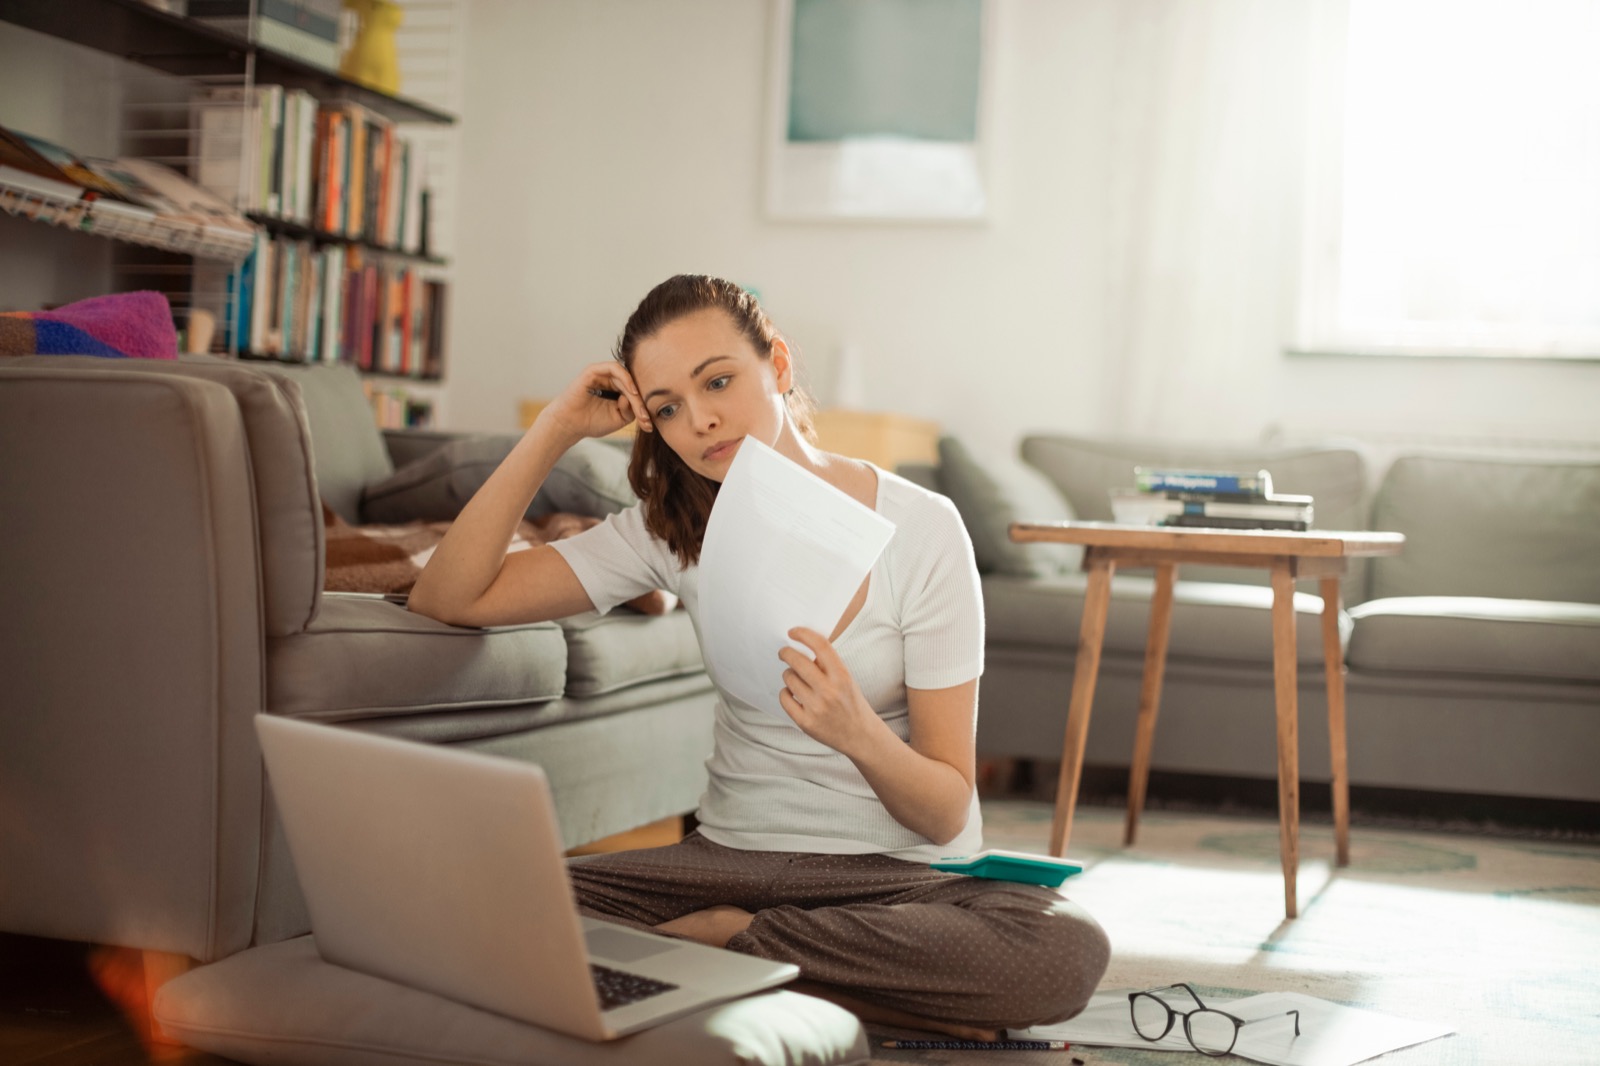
{"points": [[130, 785]]}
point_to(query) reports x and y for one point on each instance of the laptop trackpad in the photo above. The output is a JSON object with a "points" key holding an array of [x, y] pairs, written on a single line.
{"points": [[624, 945]]}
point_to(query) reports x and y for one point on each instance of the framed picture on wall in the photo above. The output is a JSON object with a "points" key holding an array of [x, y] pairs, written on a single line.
{"points": [[877, 110]]}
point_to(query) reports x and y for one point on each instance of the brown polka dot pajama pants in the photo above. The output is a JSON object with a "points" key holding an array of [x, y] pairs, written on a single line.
{"points": [[965, 950]]}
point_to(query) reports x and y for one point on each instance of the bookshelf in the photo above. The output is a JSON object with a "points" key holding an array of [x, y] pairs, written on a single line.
{"points": [[200, 267]]}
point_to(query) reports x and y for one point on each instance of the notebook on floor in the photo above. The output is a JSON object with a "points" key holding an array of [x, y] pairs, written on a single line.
{"points": [[442, 870]]}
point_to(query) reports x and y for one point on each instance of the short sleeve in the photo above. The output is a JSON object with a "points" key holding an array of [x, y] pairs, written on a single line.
{"points": [[941, 615], [619, 560]]}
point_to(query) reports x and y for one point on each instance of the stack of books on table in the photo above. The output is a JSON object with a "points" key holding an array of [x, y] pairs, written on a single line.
{"points": [[1163, 497]]}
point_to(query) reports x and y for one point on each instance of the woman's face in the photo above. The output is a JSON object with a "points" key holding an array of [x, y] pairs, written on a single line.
{"points": [[705, 388]]}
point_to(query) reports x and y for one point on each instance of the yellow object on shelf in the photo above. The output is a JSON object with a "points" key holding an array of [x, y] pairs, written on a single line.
{"points": [[373, 59]]}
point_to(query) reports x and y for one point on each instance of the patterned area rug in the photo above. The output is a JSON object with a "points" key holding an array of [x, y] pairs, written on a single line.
{"points": [[1498, 938]]}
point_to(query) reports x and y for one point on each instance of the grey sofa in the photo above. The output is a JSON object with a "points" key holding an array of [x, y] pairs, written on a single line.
{"points": [[1473, 658], [162, 560]]}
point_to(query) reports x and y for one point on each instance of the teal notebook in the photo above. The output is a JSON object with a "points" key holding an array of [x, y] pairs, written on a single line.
{"points": [[1012, 866]]}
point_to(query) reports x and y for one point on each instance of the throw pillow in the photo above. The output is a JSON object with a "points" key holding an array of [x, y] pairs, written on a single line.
{"points": [[993, 493], [134, 325], [590, 479]]}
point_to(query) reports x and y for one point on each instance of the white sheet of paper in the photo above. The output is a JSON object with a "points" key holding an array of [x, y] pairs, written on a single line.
{"points": [[1330, 1034], [782, 549]]}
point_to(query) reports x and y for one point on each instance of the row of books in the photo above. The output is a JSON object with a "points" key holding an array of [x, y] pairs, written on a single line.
{"points": [[1209, 498], [293, 300], [336, 168], [397, 408], [128, 199]]}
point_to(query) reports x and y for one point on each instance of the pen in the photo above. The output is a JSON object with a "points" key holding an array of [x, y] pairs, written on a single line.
{"points": [[978, 1045], [605, 394]]}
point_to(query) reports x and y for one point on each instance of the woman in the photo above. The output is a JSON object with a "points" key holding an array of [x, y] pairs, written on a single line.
{"points": [[814, 834]]}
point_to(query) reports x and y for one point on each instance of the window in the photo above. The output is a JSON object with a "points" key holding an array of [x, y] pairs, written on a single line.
{"points": [[1455, 185]]}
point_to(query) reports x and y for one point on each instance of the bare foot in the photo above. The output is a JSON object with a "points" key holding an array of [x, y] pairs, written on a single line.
{"points": [[873, 1012], [714, 925]]}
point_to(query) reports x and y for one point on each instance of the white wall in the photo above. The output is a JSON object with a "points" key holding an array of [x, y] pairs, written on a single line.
{"points": [[610, 143]]}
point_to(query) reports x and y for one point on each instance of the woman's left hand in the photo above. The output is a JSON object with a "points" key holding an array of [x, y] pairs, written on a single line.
{"points": [[821, 695]]}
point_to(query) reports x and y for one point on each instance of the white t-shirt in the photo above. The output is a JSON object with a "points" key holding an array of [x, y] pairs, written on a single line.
{"points": [[772, 788]]}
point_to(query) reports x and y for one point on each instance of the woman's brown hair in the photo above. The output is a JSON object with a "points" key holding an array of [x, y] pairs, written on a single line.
{"points": [[677, 501]]}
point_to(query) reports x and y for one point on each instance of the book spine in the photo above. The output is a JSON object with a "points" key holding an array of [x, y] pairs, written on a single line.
{"points": [[438, 309], [1153, 480], [270, 190]]}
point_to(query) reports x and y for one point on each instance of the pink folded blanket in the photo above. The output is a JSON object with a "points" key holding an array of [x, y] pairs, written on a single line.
{"points": [[135, 325]]}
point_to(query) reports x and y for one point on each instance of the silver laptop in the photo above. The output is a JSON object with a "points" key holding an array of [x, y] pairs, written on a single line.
{"points": [[442, 870]]}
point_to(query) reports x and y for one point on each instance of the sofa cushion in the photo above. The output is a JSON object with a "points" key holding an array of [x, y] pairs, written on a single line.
{"points": [[1087, 470], [283, 1004], [1210, 620], [1478, 635], [606, 653], [349, 449], [994, 491], [366, 657], [590, 479], [1482, 526]]}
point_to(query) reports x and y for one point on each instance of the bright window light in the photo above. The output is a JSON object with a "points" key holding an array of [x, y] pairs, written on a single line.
{"points": [[1468, 202]]}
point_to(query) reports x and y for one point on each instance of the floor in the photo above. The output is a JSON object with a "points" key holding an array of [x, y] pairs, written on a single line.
{"points": [[1199, 898], [59, 1007]]}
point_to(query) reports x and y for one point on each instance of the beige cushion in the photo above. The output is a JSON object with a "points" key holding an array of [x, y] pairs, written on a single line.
{"points": [[1490, 527], [283, 1004], [611, 652], [1210, 620], [1479, 636], [994, 491], [366, 657]]}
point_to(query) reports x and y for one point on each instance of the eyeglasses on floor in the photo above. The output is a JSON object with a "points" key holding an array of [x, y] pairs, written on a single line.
{"points": [[1209, 1031]]}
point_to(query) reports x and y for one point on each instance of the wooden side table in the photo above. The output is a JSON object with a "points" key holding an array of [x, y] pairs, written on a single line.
{"points": [[1289, 556]]}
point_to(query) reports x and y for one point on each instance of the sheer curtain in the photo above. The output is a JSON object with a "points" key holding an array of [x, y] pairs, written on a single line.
{"points": [[1456, 198], [1207, 165]]}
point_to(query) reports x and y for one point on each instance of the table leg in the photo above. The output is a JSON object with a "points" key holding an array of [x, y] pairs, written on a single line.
{"points": [[1155, 663], [1091, 634], [1333, 663], [1283, 672]]}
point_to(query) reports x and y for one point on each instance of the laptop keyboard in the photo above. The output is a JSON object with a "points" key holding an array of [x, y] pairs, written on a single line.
{"points": [[618, 989]]}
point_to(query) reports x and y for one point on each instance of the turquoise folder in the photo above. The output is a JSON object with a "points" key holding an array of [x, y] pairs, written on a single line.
{"points": [[1012, 866]]}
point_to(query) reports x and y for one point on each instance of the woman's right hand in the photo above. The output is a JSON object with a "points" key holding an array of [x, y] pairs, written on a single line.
{"points": [[578, 412]]}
